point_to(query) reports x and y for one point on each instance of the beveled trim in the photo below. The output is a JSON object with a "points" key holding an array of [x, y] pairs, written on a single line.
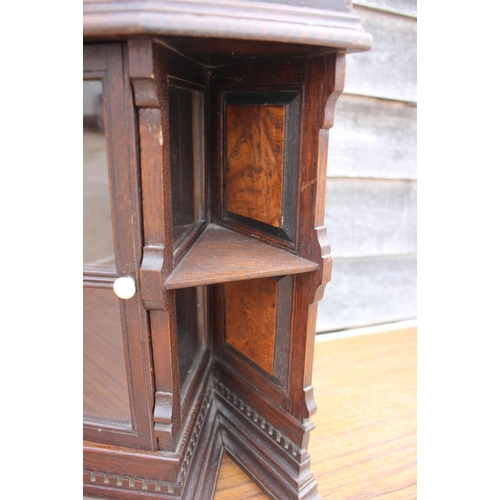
{"points": [[237, 19]]}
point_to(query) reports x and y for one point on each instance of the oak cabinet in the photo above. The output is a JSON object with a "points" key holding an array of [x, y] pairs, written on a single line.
{"points": [[204, 251]]}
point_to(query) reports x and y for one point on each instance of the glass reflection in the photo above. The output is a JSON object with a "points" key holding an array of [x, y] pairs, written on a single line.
{"points": [[105, 386], [98, 247], [105, 389], [190, 309], [186, 159]]}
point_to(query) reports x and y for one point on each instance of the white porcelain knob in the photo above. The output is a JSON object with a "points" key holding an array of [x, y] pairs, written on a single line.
{"points": [[124, 287]]}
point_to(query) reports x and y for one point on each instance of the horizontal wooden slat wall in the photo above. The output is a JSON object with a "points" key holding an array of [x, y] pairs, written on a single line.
{"points": [[370, 291], [371, 192]]}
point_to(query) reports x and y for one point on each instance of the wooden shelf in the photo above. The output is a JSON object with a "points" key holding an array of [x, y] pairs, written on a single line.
{"points": [[221, 255]]}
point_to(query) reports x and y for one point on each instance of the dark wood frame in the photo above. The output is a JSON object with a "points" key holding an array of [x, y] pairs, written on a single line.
{"points": [[107, 63], [261, 419], [291, 99]]}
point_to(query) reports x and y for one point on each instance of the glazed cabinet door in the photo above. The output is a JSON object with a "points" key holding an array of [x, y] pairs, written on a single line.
{"points": [[117, 391]]}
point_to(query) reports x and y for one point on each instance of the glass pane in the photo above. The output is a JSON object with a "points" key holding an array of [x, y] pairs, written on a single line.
{"points": [[190, 307], [98, 249], [186, 158], [105, 390]]}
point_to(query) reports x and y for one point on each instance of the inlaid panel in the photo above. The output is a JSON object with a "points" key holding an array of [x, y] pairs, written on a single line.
{"points": [[251, 312], [261, 160], [255, 156]]}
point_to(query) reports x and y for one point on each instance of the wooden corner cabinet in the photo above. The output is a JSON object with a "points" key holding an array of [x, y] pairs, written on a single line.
{"points": [[205, 134]]}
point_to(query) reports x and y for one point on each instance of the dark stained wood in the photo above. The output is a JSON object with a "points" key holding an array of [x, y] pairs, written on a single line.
{"points": [[108, 64], [151, 135], [174, 72], [183, 166], [155, 183], [324, 83], [240, 401], [283, 324], [221, 255], [217, 52], [255, 138], [287, 22], [167, 399], [149, 92], [251, 310], [344, 447]]}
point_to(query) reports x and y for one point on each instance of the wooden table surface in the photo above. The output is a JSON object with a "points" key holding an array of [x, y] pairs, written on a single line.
{"points": [[364, 445]]}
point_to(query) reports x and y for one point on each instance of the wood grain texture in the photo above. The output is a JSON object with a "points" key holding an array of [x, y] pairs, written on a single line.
{"points": [[389, 70], [323, 84], [120, 126], [234, 483], [326, 26], [369, 291], [373, 138], [251, 310], [364, 444], [278, 461], [255, 137], [366, 389], [219, 52], [221, 255], [371, 217]]}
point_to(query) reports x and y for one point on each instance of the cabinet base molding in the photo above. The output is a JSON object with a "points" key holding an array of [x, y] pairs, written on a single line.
{"points": [[224, 422]]}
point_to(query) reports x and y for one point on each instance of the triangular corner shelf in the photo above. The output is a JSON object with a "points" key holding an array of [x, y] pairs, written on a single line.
{"points": [[221, 255]]}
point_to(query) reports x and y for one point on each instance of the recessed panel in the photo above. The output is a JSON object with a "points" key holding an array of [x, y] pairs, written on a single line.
{"points": [[105, 387], [98, 245], [255, 161], [251, 312], [261, 157], [190, 312], [186, 159]]}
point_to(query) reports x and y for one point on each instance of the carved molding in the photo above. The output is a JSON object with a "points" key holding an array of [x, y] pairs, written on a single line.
{"points": [[336, 89], [334, 27], [195, 434], [259, 422], [129, 482]]}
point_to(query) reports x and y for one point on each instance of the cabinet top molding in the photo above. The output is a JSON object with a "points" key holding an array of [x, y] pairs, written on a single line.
{"points": [[320, 23]]}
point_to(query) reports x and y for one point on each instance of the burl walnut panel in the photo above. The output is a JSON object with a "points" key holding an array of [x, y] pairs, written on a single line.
{"points": [[255, 161], [251, 310]]}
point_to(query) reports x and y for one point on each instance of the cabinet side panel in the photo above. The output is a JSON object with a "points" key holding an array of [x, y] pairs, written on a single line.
{"points": [[255, 161], [251, 308]]}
